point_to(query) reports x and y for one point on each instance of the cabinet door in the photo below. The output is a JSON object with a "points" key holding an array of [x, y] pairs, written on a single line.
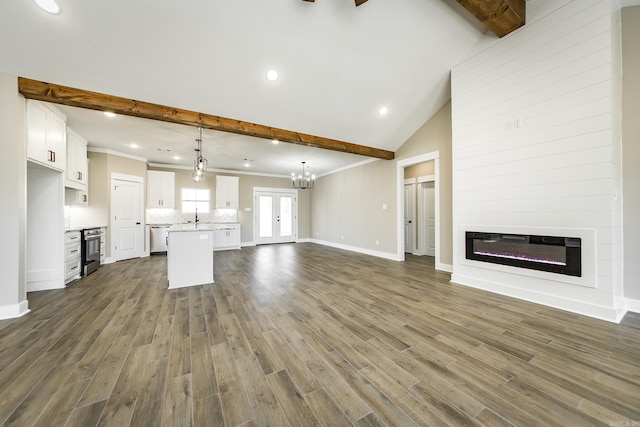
{"points": [[234, 237], [37, 117], [153, 191], [219, 239], [77, 164], [232, 193], [167, 190], [57, 139]]}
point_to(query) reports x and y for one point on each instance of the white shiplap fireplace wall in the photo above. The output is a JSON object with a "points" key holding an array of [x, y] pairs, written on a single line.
{"points": [[536, 150]]}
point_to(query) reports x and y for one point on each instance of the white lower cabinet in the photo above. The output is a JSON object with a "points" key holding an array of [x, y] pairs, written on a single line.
{"points": [[72, 259], [226, 236]]}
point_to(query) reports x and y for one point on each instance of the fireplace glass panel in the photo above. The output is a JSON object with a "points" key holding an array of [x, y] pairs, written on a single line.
{"points": [[546, 253]]}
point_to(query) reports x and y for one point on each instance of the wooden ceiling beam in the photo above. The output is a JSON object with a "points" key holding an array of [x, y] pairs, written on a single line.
{"points": [[500, 16], [64, 95]]}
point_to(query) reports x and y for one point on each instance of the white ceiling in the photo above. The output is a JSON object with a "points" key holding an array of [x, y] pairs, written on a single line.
{"points": [[338, 64]]}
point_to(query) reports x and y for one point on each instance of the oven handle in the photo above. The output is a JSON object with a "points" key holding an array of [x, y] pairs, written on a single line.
{"points": [[91, 237]]}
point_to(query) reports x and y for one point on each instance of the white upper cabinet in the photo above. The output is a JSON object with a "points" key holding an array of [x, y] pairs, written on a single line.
{"points": [[227, 196], [46, 135], [161, 190], [77, 164]]}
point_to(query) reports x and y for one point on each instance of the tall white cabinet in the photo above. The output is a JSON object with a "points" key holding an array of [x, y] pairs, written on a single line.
{"points": [[227, 192], [161, 190], [46, 132]]}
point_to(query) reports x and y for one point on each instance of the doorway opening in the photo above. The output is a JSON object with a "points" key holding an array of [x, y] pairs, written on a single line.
{"points": [[419, 207]]}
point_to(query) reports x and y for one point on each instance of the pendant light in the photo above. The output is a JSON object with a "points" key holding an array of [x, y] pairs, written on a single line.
{"points": [[200, 163], [304, 180]]}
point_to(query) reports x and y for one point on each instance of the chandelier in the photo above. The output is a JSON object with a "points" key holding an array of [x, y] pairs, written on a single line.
{"points": [[303, 180], [200, 163]]}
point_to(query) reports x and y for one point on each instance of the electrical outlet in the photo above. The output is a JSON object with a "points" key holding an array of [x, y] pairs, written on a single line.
{"points": [[377, 242], [341, 237], [384, 206]]}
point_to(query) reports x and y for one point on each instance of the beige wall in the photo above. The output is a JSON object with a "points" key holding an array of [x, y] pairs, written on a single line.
{"points": [[346, 207], [421, 169], [631, 149], [435, 135], [246, 185], [101, 166]]}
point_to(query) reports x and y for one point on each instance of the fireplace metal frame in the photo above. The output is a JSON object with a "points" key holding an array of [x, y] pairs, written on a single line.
{"points": [[572, 245]]}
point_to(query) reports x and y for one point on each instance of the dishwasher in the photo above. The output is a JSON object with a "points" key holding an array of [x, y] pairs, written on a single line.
{"points": [[158, 238]]}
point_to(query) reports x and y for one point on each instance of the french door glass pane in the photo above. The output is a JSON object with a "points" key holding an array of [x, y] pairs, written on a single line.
{"points": [[286, 219], [266, 216]]}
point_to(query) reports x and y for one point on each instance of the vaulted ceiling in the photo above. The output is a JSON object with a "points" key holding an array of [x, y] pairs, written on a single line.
{"points": [[337, 64]]}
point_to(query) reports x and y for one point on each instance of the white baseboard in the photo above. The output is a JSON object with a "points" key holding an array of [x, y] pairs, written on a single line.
{"points": [[610, 314], [245, 244], [632, 305], [14, 310], [444, 267], [378, 254], [44, 280]]}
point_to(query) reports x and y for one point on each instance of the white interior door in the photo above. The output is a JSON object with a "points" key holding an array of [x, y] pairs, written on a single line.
{"points": [[126, 219], [429, 217], [409, 217], [276, 215]]}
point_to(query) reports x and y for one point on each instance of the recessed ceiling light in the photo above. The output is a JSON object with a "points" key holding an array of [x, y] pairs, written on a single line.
{"points": [[275, 141], [246, 165], [176, 157], [382, 111], [109, 114], [272, 75], [49, 6], [133, 145]]}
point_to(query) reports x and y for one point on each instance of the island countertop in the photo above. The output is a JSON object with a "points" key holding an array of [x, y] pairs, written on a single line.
{"points": [[191, 227]]}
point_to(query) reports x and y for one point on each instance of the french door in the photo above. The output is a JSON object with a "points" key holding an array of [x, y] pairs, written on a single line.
{"points": [[275, 216]]}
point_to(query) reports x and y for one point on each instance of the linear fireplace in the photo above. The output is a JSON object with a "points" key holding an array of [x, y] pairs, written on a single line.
{"points": [[545, 253]]}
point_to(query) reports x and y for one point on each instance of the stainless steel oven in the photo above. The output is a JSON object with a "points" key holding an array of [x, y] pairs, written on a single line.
{"points": [[90, 250]]}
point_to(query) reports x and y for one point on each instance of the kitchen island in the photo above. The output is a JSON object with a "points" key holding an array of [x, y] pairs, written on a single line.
{"points": [[190, 255]]}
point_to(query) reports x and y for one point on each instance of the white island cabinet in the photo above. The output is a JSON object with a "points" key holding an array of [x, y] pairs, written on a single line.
{"points": [[190, 255]]}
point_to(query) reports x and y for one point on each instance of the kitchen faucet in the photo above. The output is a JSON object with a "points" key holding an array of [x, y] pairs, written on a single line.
{"points": [[196, 215]]}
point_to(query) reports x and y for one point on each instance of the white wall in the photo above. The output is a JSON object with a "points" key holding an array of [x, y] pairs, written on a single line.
{"points": [[536, 147], [13, 294]]}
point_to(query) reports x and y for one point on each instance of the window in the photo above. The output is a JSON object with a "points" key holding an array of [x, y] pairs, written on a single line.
{"points": [[193, 199]]}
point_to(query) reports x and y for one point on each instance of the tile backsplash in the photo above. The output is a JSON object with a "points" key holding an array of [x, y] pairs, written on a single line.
{"points": [[174, 216]]}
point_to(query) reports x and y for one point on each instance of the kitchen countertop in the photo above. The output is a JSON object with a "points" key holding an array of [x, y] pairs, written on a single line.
{"points": [[83, 227]]}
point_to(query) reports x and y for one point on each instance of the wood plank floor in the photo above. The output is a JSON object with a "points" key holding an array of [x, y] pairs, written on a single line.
{"points": [[301, 334]]}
